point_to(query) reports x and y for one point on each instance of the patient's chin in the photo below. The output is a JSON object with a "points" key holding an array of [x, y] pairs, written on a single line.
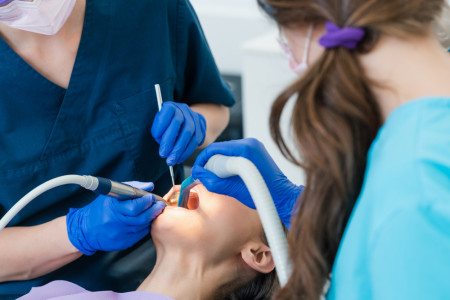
{"points": [[173, 220], [177, 225]]}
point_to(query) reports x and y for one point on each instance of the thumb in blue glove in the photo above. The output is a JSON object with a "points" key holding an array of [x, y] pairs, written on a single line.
{"points": [[179, 130], [284, 192], [108, 224]]}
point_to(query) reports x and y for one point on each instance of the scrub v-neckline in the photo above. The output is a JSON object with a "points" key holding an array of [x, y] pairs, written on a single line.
{"points": [[39, 75], [73, 108]]}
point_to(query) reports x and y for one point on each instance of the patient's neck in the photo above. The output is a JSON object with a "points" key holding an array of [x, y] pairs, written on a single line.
{"points": [[181, 274]]}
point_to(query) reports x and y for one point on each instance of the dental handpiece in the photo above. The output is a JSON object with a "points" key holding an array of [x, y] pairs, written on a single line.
{"points": [[99, 185], [119, 190]]}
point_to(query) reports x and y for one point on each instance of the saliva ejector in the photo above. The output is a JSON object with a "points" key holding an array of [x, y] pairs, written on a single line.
{"points": [[98, 185]]}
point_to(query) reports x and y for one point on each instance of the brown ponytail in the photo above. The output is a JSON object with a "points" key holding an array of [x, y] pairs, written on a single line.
{"points": [[335, 119]]}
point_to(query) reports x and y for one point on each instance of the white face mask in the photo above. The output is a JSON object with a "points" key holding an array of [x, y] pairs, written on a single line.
{"points": [[298, 68], [39, 16]]}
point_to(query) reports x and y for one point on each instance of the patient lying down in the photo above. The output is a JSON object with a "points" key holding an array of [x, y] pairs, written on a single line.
{"points": [[214, 250]]}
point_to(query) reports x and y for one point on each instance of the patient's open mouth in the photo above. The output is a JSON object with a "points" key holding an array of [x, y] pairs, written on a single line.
{"points": [[192, 203], [173, 200]]}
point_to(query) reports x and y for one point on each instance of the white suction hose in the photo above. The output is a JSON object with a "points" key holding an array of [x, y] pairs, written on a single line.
{"points": [[88, 182], [225, 166]]}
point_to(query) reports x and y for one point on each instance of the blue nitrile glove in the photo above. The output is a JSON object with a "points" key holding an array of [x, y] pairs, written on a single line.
{"points": [[283, 191], [108, 224], [179, 130]]}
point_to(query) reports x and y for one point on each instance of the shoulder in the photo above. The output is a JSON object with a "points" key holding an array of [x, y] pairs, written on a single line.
{"points": [[408, 165], [408, 175], [411, 155], [433, 152]]}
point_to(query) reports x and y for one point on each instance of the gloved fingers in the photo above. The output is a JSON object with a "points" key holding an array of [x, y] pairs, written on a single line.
{"points": [[170, 136], [133, 207], [196, 121], [249, 148], [133, 236], [146, 186], [231, 186], [157, 209], [162, 120], [144, 219], [211, 181], [189, 150], [200, 125], [185, 137], [230, 148]]}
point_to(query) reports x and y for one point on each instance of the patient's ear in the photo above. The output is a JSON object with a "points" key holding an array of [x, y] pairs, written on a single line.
{"points": [[258, 257]]}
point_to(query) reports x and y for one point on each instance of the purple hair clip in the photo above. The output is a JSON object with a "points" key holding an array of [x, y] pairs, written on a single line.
{"points": [[347, 37]]}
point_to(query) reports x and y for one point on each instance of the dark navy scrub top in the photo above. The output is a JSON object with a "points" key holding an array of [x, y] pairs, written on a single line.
{"points": [[101, 125]]}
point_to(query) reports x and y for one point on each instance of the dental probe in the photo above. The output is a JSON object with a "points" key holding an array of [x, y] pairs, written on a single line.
{"points": [[99, 185], [159, 98]]}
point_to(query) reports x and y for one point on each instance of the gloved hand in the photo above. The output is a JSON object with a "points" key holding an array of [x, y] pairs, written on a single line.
{"points": [[108, 224], [179, 130], [283, 191]]}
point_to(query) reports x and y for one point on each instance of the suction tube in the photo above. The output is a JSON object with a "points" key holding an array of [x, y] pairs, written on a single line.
{"points": [[225, 166]]}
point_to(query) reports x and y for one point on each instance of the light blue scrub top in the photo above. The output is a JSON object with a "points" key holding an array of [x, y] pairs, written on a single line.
{"points": [[397, 241]]}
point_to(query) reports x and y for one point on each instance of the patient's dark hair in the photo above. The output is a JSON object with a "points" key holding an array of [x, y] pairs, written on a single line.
{"points": [[262, 287], [248, 286]]}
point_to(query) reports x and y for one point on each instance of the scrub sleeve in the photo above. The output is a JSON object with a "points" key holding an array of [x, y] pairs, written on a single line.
{"points": [[101, 125]]}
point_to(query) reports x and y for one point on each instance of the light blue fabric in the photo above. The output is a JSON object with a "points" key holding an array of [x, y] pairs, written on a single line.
{"points": [[397, 242]]}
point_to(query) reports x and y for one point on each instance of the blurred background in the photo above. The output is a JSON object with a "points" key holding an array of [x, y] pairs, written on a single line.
{"points": [[243, 42]]}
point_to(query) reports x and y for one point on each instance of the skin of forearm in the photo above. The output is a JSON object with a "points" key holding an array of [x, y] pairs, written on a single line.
{"points": [[30, 252], [217, 117]]}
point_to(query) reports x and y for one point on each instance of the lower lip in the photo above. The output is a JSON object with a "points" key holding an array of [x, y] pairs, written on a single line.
{"points": [[175, 208]]}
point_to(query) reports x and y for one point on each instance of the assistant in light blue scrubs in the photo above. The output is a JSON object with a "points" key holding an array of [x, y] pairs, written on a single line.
{"points": [[397, 244], [374, 144], [101, 124]]}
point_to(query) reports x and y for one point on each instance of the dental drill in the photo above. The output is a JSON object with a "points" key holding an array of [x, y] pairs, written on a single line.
{"points": [[98, 185], [224, 166]]}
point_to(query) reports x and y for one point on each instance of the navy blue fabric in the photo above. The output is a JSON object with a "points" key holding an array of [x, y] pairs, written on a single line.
{"points": [[101, 125]]}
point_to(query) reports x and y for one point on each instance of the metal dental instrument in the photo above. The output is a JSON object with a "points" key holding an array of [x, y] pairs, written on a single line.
{"points": [[159, 98], [99, 185], [120, 191]]}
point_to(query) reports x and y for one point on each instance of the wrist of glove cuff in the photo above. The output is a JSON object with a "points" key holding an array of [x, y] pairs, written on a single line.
{"points": [[202, 127], [75, 232], [288, 209]]}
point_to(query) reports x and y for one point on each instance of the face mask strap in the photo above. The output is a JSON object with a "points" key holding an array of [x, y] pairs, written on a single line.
{"points": [[307, 44]]}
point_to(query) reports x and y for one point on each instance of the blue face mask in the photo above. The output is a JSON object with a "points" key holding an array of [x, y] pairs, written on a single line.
{"points": [[39, 16]]}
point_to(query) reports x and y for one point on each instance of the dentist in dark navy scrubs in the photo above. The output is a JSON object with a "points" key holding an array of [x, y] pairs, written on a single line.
{"points": [[77, 97]]}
